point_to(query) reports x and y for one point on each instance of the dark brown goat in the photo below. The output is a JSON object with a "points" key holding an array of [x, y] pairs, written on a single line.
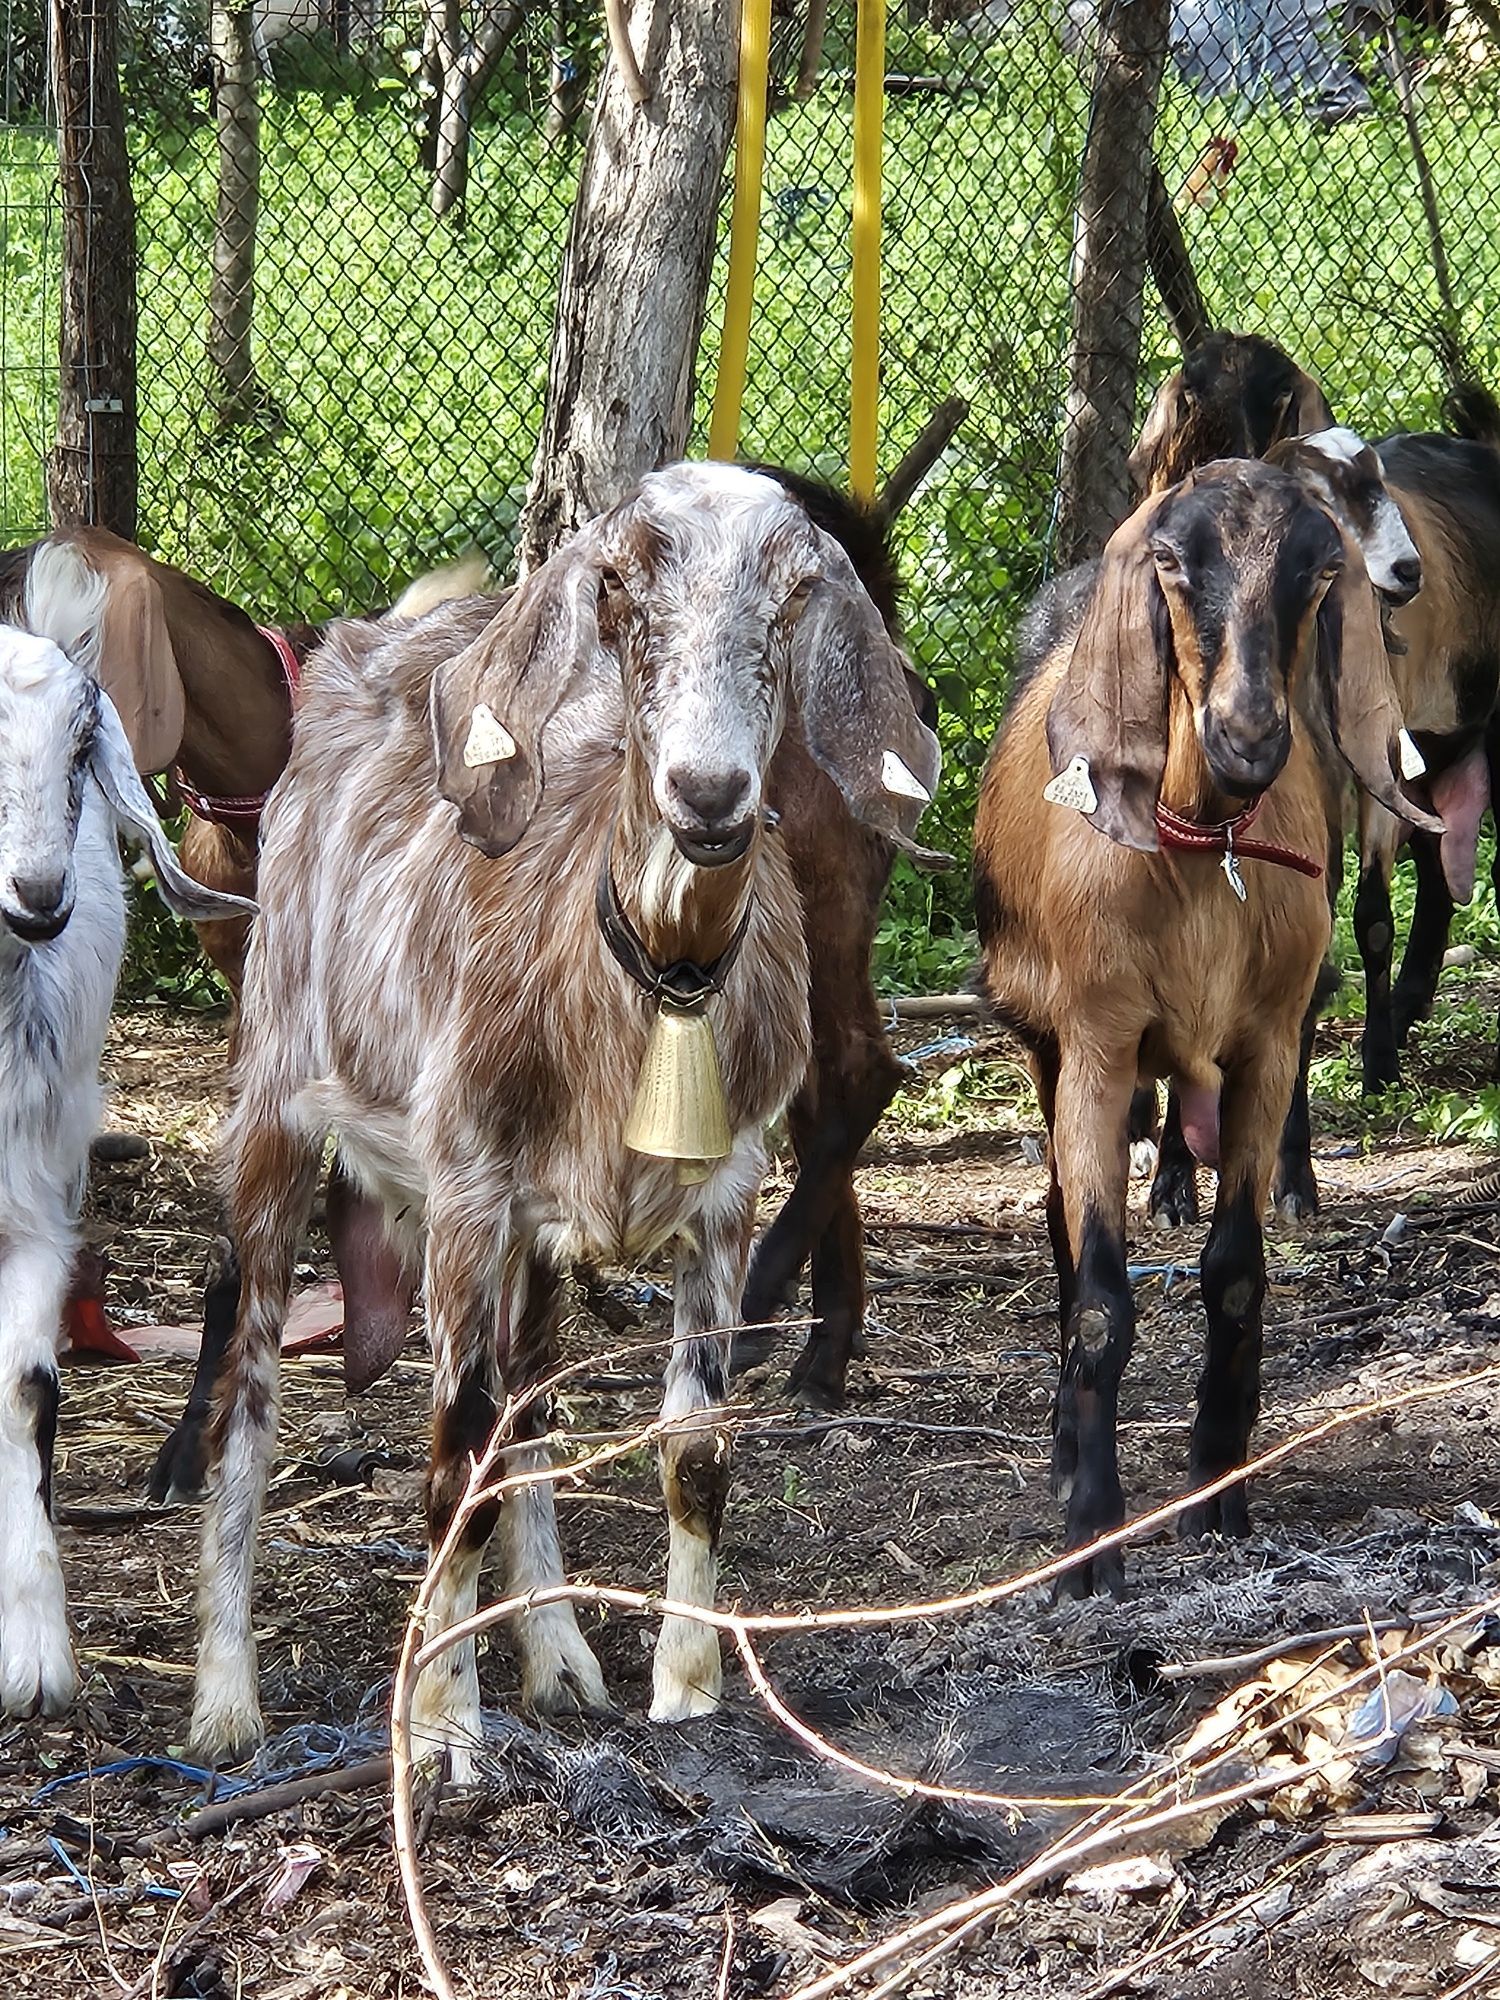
{"points": [[1169, 718], [1235, 395]]}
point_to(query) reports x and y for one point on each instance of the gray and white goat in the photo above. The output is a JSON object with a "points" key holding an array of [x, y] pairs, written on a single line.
{"points": [[68, 787]]}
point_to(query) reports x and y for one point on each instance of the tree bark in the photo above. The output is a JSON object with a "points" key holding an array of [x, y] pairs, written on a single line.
{"points": [[459, 67], [810, 68], [635, 273], [1109, 262], [92, 472], [231, 297]]}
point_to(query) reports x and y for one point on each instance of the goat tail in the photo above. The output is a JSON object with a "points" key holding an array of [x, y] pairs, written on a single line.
{"points": [[65, 596], [1472, 411], [464, 578]]}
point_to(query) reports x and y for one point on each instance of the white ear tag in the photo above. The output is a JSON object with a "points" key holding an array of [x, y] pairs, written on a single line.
{"points": [[1073, 787], [1413, 764], [899, 782], [490, 742]]}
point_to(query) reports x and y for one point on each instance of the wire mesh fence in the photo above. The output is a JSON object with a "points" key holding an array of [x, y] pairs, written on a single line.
{"points": [[375, 405]]}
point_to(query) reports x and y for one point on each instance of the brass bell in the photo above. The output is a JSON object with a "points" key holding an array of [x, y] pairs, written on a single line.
{"points": [[679, 1111]]}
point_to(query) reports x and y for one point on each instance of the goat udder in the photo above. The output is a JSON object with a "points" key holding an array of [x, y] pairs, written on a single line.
{"points": [[1199, 1106]]}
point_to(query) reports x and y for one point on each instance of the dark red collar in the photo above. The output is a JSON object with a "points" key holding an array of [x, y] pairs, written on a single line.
{"points": [[245, 812], [1226, 837]]}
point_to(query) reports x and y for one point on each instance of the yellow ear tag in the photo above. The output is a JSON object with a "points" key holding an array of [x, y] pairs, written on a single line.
{"points": [[490, 742], [1073, 787]]}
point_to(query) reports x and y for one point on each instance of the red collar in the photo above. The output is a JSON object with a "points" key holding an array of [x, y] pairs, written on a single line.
{"points": [[1225, 837], [246, 811]]}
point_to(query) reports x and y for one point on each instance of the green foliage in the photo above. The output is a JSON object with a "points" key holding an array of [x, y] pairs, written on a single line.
{"points": [[403, 365]]}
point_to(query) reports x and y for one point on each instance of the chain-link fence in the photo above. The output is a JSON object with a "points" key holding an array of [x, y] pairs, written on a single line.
{"points": [[380, 406]]}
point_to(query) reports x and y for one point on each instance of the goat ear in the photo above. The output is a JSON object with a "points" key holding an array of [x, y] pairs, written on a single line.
{"points": [[135, 663], [1304, 410], [113, 766], [859, 715], [1149, 459], [1107, 725], [1363, 711], [490, 704]]}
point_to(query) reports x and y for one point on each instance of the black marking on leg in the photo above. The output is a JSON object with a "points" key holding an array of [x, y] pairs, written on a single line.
{"points": [[40, 1394], [460, 1432], [1295, 1187], [1432, 919], [1233, 1279], [1098, 1341], [179, 1465]]}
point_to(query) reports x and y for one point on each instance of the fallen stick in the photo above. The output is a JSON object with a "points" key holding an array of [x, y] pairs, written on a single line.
{"points": [[933, 1006], [295, 1792], [1331, 1635]]}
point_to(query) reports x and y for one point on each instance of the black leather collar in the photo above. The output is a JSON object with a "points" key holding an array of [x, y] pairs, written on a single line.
{"points": [[685, 985]]}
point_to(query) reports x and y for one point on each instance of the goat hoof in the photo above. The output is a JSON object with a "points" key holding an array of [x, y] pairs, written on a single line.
{"points": [[1380, 1069], [1296, 1199], [1226, 1514], [1174, 1204], [176, 1474], [1101, 1576]]}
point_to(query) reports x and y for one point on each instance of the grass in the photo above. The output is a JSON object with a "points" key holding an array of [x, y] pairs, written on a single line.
{"points": [[403, 368]]}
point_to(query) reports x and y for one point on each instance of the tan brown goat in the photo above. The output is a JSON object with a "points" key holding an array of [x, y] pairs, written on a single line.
{"points": [[1147, 934]]}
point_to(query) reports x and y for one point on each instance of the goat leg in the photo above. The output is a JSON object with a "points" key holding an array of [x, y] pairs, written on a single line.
{"points": [[1091, 1165], [1173, 1200], [687, 1672], [177, 1473], [1374, 933], [37, 1674], [274, 1175], [1294, 1188], [838, 1300], [1233, 1282], [1422, 962]]}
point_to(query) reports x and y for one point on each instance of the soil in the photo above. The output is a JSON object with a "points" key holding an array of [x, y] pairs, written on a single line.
{"points": [[608, 1859]]}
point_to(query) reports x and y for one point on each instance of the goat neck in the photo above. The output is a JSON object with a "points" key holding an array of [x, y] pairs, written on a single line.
{"points": [[681, 912]]}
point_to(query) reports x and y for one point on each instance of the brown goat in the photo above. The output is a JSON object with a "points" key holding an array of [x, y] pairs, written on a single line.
{"points": [[1235, 395], [1169, 719]]}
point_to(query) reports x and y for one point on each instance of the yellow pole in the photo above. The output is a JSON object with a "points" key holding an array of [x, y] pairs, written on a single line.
{"points": [[744, 228], [864, 386]]}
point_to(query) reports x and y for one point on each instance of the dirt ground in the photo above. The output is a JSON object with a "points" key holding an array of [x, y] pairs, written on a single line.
{"points": [[607, 1860]]}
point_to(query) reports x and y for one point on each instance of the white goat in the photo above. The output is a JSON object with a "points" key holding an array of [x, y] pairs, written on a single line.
{"points": [[67, 783]]}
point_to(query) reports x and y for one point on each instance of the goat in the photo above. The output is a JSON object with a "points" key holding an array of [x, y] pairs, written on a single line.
{"points": [[1167, 720], [841, 869], [455, 994], [1235, 395], [68, 785]]}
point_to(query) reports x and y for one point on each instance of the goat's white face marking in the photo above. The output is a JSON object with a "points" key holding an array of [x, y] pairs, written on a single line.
{"points": [[489, 741], [712, 574], [1352, 486], [48, 715]]}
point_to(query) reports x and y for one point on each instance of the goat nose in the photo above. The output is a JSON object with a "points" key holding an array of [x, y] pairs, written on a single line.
{"points": [[714, 798], [1408, 573], [41, 894]]}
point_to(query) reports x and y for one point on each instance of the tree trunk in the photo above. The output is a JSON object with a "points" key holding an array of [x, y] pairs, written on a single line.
{"points": [[231, 297], [1109, 262], [635, 272], [810, 68], [92, 473], [458, 69]]}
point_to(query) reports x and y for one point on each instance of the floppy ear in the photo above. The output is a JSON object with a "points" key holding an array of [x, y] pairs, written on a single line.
{"points": [[859, 719], [1149, 463], [113, 766], [1363, 711], [135, 663], [490, 704], [1107, 726], [1303, 410]]}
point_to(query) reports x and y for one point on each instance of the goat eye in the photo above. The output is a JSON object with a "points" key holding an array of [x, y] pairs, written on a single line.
{"points": [[1167, 561], [611, 583]]}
